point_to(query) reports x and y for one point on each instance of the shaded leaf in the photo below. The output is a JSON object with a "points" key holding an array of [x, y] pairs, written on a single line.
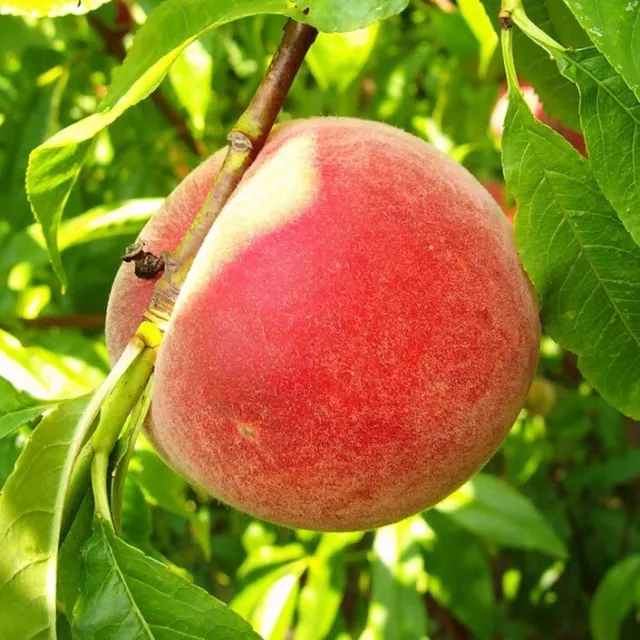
{"points": [[615, 597], [495, 511], [30, 514], [129, 595], [582, 261], [337, 15], [613, 27], [610, 117]]}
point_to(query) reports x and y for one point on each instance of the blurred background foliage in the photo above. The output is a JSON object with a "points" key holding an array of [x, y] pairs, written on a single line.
{"points": [[544, 543]]}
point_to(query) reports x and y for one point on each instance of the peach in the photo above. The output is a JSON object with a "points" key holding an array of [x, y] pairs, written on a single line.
{"points": [[531, 98], [498, 192], [356, 335]]}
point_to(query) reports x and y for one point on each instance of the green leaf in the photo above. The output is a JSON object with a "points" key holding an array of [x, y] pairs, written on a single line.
{"points": [[48, 374], [337, 15], [190, 77], [323, 591], [397, 610], [53, 8], [459, 574], [478, 21], [70, 564], [583, 262], [613, 28], [18, 407], [55, 165], [274, 614], [30, 514], [610, 117], [136, 516], [128, 595], [495, 511], [558, 95], [336, 59], [614, 598]]}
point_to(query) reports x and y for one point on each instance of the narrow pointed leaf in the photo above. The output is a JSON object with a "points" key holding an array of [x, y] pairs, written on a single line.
{"points": [[40, 8]]}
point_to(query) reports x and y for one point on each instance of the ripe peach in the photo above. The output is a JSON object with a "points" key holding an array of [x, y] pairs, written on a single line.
{"points": [[498, 192], [531, 98], [355, 337]]}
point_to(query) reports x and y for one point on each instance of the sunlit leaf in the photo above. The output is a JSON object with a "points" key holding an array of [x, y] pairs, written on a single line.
{"points": [[55, 165], [48, 7], [129, 595], [191, 79], [324, 587], [476, 17], [615, 597], [495, 511], [583, 262], [397, 610], [47, 374], [459, 574], [336, 59], [18, 407], [30, 515]]}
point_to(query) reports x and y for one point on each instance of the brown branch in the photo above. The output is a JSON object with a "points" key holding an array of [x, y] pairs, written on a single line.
{"points": [[87, 321], [245, 142], [114, 45]]}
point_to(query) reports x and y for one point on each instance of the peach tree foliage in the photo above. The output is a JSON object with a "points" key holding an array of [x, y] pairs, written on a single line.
{"points": [[577, 232]]}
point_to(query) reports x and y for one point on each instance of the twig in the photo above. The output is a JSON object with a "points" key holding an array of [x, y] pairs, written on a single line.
{"points": [[113, 43], [86, 321], [245, 142]]}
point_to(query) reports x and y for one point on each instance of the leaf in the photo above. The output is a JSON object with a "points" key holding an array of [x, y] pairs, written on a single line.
{"points": [[610, 117], [47, 374], [30, 515], [128, 595], [336, 59], [613, 27], [460, 576], [55, 165], [274, 614], [190, 77], [396, 610], [52, 8], [478, 21], [323, 591], [614, 598], [337, 15], [493, 510], [582, 261], [70, 564], [18, 407], [558, 95]]}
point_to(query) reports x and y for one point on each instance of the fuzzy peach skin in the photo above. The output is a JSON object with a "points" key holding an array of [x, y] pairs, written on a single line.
{"points": [[355, 337]]}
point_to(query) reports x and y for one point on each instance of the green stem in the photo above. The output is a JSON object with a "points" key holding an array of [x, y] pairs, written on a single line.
{"points": [[99, 471], [128, 442], [79, 482], [506, 38]]}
